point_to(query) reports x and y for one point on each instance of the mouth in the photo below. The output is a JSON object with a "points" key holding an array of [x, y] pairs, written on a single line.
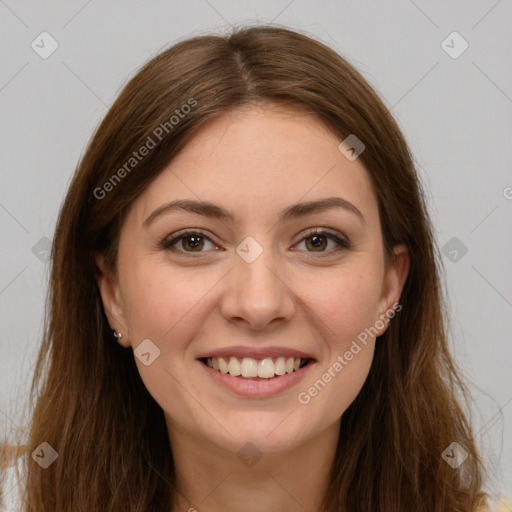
{"points": [[251, 369]]}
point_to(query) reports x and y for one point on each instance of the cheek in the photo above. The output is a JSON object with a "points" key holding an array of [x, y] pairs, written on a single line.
{"points": [[161, 302], [336, 385], [344, 302], [347, 317], [345, 305], [165, 306]]}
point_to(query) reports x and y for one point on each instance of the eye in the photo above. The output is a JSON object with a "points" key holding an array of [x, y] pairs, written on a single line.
{"points": [[317, 240], [188, 242]]}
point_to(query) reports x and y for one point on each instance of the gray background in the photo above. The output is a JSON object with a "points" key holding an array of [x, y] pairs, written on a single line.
{"points": [[455, 113]]}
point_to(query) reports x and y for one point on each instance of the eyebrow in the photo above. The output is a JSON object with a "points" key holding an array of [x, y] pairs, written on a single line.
{"points": [[217, 212]]}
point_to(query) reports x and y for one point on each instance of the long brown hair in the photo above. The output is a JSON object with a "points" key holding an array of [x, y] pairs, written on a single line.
{"points": [[90, 404]]}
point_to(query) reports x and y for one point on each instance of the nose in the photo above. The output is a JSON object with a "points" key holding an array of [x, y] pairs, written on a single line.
{"points": [[257, 295]]}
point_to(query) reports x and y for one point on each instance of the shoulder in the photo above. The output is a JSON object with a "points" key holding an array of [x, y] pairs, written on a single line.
{"points": [[505, 505], [10, 495], [497, 505]]}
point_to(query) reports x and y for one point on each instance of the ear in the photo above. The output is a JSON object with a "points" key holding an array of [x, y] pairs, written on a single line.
{"points": [[394, 280], [111, 297]]}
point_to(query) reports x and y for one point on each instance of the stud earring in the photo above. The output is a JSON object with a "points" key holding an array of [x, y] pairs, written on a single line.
{"points": [[118, 335]]}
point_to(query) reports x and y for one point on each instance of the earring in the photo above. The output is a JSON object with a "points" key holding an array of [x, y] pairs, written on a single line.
{"points": [[117, 335]]}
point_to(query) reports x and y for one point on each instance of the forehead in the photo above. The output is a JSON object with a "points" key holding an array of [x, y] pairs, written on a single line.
{"points": [[258, 160]]}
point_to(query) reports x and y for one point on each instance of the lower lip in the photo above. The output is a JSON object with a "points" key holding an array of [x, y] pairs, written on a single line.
{"points": [[257, 388]]}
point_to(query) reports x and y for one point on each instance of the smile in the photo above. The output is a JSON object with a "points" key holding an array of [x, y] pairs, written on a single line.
{"points": [[256, 369]]}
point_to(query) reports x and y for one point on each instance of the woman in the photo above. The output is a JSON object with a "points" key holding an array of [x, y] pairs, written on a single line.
{"points": [[245, 303]]}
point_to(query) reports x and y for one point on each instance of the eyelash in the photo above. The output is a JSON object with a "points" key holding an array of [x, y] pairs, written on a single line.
{"points": [[343, 244]]}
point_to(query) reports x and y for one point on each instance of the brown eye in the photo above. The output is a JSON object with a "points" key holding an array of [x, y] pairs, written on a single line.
{"points": [[321, 241], [191, 242], [316, 242]]}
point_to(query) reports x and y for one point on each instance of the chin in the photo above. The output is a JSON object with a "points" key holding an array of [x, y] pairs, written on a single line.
{"points": [[273, 437]]}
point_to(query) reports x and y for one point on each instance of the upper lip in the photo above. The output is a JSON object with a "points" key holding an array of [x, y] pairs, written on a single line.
{"points": [[256, 353]]}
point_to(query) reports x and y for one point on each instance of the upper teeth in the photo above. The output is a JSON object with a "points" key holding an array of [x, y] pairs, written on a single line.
{"points": [[249, 367]]}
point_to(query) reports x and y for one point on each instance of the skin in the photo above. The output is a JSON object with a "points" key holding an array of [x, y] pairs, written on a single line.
{"points": [[254, 162]]}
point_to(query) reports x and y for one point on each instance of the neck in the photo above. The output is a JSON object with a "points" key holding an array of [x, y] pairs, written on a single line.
{"points": [[213, 479]]}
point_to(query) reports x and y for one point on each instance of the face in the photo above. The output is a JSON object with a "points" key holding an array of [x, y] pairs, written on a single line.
{"points": [[281, 272]]}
